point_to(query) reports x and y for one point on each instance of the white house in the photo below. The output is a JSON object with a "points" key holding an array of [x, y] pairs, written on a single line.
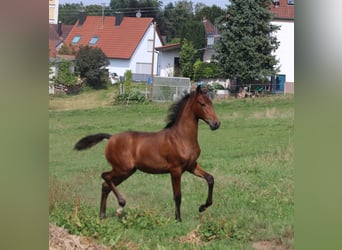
{"points": [[53, 11], [168, 60], [128, 42], [283, 11]]}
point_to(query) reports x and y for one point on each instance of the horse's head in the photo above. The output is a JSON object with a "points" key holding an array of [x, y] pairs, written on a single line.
{"points": [[204, 109]]}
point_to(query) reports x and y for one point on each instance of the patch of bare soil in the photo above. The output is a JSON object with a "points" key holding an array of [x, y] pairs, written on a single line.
{"points": [[193, 237], [269, 245], [60, 239]]}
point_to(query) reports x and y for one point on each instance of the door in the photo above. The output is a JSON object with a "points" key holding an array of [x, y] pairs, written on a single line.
{"points": [[280, 83]]}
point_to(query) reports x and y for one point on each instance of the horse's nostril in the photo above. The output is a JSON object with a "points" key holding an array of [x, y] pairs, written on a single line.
{"points": [[215, 125]]}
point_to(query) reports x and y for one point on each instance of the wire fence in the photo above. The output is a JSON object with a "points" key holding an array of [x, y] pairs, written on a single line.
{"points": [[170, 88]]}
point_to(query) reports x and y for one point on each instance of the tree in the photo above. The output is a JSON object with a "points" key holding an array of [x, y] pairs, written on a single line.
{"points": [[187, 58], [148, 8], [247, 41], [69, 13], [210, 12], [175, 19], [194, 31], [90, 63]]}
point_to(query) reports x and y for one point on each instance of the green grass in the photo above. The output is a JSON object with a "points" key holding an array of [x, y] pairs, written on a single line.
{"points": [[251, 157]]}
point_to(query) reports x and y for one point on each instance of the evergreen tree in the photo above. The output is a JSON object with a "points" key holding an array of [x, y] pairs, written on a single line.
{"points": [[194, 31], [247, 41]]}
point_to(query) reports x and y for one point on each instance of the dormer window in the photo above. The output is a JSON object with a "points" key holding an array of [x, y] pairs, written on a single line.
{"points": [[76, 39], [93, 40], [276, 3]]}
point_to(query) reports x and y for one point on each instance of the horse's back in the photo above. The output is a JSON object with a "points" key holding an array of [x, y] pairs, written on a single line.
{"points": [[146, 151]]}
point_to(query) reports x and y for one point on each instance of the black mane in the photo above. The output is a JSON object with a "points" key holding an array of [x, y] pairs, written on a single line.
{"points": [[174, 110]]}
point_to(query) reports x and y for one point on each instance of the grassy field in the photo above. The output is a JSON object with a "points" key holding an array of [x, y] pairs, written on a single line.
{"points": [[251, 157]]}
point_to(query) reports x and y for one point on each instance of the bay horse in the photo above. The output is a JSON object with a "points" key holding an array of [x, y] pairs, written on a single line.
{"points": [[173, 150]]}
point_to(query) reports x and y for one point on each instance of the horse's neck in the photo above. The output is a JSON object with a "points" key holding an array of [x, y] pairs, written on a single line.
{"points": [[187, 125]]}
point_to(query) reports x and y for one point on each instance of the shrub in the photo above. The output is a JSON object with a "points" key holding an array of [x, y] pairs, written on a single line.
{"points": [[67, 49], [206, 70], [126, 98], [65, 75]]}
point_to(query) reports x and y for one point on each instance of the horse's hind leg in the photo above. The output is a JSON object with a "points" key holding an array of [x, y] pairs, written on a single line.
{"points": [[198, 171], [111, 181]]}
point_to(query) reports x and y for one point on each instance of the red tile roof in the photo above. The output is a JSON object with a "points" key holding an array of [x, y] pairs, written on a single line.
{"points": [[53, 33], [283, 10], [115, 41], [209, 27]]}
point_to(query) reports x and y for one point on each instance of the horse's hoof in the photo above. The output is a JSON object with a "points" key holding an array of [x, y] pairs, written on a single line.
{"points": [[202, 208], [102, 216], [122, 203]]}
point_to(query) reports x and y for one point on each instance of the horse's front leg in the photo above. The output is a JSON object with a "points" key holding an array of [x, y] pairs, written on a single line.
{"points": [[177, 194], [104, 195], [198, 171]]}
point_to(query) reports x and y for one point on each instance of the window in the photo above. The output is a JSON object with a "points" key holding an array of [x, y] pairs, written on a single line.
{"points": [[76, 39], [290, 2], [143, 68], [149, 45], [93, 40], [210, 41]]}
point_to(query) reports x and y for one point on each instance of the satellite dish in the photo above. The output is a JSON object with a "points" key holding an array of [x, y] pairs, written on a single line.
{"points": [[138, 14]]}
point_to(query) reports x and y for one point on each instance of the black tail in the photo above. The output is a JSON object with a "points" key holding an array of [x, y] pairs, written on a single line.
{"points": [[90, 140]]}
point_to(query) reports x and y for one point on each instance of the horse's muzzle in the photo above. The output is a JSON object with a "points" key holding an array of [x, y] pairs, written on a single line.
{"points": [[214, 125]]}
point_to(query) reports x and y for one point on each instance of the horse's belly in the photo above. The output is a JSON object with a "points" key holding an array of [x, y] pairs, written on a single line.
{"points": [[153, 170], [153, 167]]}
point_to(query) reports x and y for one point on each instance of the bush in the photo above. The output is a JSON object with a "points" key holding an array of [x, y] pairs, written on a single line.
{"points": [[204, 70], [65, 76], [67, 49], [126, 98]]}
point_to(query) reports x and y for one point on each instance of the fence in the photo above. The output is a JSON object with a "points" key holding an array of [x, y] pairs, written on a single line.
{"points": [[170, 88]]}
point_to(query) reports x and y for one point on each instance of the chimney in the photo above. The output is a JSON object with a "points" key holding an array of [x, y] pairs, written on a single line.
{"points": [[82, 18], [59, 28], [118, 18]]}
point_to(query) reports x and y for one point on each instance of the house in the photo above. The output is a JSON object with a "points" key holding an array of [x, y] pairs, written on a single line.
{"points": [[53, 11], [57, 35], [168, 60], [283, 11], [128, 42], [211, 36]]}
